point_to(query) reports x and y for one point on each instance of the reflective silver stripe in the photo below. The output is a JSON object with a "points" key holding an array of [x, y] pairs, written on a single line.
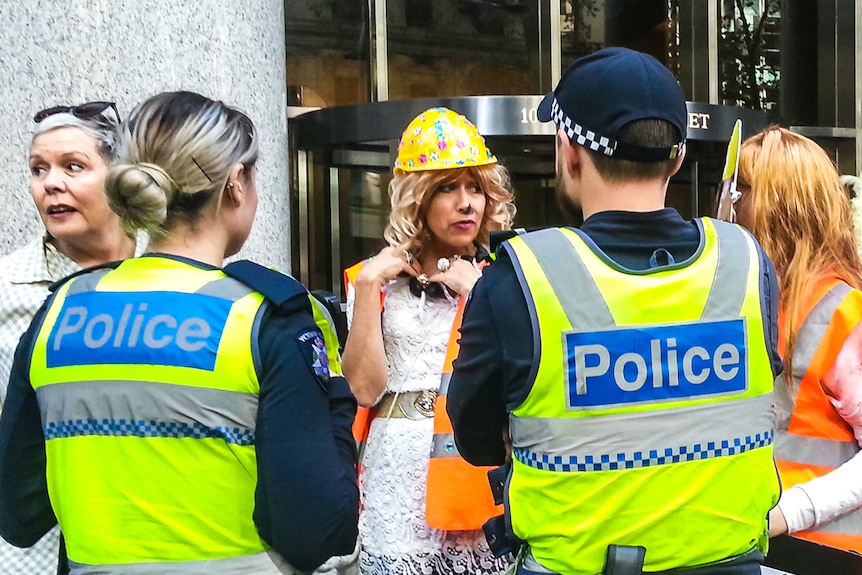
{"points": [[530, 565], [813, 451], [710, 430], [814, 327], [563, 266], [87, 282], [850, 524], [444, 384], [795, 448], [146, 409], [586, 306], [255, 337], [727, 293], [226, 288], [264, 563], [443, 445], [323, 311]]}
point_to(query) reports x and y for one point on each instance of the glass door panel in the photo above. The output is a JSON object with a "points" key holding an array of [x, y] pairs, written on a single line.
{"points": [[327, 52], [446, 48]]}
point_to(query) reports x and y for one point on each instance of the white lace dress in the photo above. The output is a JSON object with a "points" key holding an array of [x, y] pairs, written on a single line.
{"points": [[394, 537]]}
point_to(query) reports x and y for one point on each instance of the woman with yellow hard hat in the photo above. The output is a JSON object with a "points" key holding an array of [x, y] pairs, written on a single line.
{"points": [[423, 506]]}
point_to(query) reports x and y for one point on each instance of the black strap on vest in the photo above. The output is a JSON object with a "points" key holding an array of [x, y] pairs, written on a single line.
{"points": [[624, 560], [284, 291], [337, 316], [497, 237]]}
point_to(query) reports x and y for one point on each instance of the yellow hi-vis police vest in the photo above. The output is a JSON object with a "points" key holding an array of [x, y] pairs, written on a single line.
{"points": [[649, 420], [148, 394]]}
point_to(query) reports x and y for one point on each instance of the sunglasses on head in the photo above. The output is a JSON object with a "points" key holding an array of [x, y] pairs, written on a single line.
{"points": [[87, 110]]}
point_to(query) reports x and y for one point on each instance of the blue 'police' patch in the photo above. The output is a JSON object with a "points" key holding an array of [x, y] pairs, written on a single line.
{"points": [[152, 328], [314, 350], [655, 363]]}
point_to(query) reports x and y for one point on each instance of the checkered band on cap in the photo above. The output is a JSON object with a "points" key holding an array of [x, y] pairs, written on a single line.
{"points": [[581, 135]]}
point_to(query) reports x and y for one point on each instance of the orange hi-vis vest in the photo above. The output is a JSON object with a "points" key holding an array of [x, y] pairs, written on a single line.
{"points": [[458, 496], [814, 439]]}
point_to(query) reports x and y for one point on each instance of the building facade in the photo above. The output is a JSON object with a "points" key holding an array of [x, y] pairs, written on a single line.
{"points": [[348, 73], [358, 71]]}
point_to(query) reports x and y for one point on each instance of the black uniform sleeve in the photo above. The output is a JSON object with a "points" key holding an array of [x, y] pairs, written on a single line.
{"points": [[25, 509], [769, 305], [491, 373], [307, 499]]}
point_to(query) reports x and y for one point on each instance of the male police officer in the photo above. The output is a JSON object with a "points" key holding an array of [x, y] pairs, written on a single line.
{"points": [[635, 358]]}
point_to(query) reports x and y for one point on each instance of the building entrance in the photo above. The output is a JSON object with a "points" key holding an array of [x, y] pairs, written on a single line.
{"points": [[341, 164]]}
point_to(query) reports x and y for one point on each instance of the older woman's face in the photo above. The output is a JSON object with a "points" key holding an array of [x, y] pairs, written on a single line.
{"points": [[67, 179]]}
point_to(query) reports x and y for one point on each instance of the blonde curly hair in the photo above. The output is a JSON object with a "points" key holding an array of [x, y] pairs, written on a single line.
{"points": [[855, 184], [410, 195]]}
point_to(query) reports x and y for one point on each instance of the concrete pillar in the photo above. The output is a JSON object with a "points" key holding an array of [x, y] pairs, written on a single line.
{"points": [[73, 51]]}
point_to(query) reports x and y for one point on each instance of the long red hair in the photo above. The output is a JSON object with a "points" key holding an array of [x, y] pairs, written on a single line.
{"points": [[800, 212]]}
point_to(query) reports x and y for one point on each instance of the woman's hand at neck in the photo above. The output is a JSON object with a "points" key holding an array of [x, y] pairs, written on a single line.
{"points": [[460, 276]]}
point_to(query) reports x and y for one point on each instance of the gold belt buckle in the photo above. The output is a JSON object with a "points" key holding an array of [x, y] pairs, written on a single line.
{"points": [[424, 404]]}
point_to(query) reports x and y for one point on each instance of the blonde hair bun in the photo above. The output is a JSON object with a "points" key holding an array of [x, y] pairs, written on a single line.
{"points": [[140, 194]]}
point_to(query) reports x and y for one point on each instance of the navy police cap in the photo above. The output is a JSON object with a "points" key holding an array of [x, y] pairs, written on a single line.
{"points": [[602, 92]]}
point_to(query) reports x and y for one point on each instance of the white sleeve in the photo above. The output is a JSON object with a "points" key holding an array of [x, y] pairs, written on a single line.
{"points": [[822, 499]]}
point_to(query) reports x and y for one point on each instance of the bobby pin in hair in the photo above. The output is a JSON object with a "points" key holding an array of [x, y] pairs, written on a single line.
{"points": [[201, 169]]}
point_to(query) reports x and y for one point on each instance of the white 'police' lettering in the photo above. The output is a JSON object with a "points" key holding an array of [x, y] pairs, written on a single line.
{"points": [[147, 328], [725, 364], [189, 335], [655, 363]]}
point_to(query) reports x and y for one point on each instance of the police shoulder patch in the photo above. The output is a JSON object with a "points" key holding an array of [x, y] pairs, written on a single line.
{"points": [[314, 351]]}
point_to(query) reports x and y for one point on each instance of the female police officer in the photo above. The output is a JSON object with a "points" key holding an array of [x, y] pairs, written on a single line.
{"points": [[190, 421]]}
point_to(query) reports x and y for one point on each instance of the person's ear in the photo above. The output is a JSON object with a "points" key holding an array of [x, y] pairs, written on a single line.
{"points": [[233, 188], [568, 154], [679, 160]]}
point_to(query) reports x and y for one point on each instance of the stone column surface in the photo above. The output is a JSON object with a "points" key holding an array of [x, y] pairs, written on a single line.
{"points": [[72, 51]]}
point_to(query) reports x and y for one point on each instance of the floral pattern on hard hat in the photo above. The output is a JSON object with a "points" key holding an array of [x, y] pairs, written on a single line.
{"points": [[441, 139]]}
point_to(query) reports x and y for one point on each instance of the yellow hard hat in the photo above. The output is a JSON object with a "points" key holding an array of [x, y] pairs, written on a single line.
{"points": [[440, 139]]}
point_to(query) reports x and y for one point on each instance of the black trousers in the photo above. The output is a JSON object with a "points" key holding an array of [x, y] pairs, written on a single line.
{"points": [[803, 557]]}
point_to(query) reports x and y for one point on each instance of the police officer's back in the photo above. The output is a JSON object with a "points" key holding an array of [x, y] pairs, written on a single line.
{"points": [[631, 360], [191, 417]]}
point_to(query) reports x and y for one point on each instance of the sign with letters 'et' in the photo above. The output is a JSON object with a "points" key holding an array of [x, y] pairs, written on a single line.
{"points": [[649, 364], [143, 328]]}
